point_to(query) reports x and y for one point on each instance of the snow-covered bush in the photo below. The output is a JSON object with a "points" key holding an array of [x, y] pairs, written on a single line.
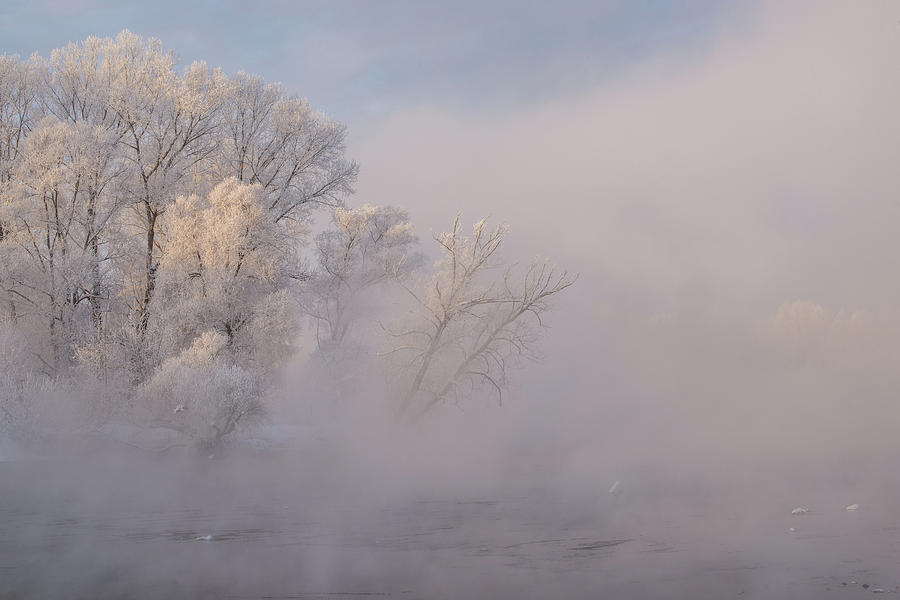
{"points": [[201, 394]]}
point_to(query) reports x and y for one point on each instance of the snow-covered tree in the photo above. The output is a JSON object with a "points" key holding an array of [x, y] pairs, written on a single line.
{"points": [[20, 109], [228, 268], [294, 153], [58, 210], [473, 321], [42, 264], [171, 125], [79, 84], [365, 247], [202, 393]]}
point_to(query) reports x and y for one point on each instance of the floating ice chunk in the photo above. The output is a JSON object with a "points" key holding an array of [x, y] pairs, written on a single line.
{"points": [[615, 488], [853, 507], [877, 590], [204, 538], [792, 529], [800, 510]]}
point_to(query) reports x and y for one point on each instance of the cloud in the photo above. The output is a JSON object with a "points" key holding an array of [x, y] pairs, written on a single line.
{"points": [[358, 59]]}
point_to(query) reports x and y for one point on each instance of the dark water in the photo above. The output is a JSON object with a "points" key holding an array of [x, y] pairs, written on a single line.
{"points": [[266, 528]]}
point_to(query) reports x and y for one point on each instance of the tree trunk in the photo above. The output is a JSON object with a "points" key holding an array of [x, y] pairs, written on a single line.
{"points": [[94, 245], [410, 395], [149, 269]]}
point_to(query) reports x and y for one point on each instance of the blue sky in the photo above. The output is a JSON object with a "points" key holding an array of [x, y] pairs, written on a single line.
{"points": [[361, 60]]}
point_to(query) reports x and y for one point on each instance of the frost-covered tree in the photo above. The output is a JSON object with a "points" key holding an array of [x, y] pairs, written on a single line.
{"points": [[294, 153], [41, 210], [365, 247], [123, 176], [99, 171], [474, 319], [184, 132], [20, 109], [79, 81], [171, 125], [227, 268], [141, 133], [58, 211]]}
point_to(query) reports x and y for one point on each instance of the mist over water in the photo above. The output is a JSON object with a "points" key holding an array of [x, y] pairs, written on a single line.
{"points": [[726, 356], [325, 522]]}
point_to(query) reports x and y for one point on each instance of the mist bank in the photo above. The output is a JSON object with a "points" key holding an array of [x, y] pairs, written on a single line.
{"points": [[733, 219]]}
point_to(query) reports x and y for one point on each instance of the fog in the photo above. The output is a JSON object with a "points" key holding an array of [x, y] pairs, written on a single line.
{"points": [[725, 356], [732, 220]]}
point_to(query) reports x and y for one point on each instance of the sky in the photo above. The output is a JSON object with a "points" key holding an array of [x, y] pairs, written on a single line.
{"points": [[360, 60], [722, 175]]}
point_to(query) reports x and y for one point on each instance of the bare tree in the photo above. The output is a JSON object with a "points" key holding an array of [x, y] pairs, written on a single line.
{"points": [[365, 247], [472, 322]]}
